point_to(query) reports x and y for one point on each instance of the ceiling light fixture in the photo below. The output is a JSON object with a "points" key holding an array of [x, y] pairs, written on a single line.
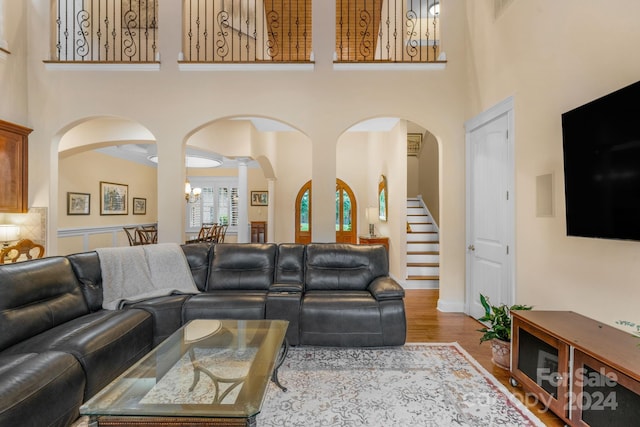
{"points": [[192, 161], [191, 195], [434, 10]]}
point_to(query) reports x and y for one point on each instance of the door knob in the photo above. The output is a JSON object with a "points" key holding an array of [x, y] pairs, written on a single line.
{"points": [[471, 248]]}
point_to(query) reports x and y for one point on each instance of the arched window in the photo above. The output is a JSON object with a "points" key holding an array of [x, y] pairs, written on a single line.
{"points": [[303, 214], [346, 214]]}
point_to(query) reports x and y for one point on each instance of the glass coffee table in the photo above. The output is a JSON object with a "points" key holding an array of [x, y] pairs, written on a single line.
{"points": [[208, 373]]}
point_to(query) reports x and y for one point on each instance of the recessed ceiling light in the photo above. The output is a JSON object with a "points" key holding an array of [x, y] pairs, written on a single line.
{"points": [[194, 161]]}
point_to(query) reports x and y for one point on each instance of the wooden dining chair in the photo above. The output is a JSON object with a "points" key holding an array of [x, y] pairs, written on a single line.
{"points": [[222, 231], [132, 235], [22, 247], [148, 236], [212, 234]]}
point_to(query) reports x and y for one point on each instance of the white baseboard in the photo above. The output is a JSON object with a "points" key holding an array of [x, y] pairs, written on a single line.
{"points": [[450, 306]]}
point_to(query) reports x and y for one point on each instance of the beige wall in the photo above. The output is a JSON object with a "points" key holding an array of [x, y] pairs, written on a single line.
{"points": [[82, 173], [413, 176], [429, 176], [553, 56], [13, 68], [323, 103]]}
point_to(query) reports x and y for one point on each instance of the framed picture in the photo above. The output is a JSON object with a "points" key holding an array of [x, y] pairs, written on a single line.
{"points": [[78, 203], [113, 198], [259, 198], [139, 206]]}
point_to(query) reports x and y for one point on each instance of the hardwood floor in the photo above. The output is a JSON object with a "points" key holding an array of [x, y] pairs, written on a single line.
{"points": [[426, 324]]}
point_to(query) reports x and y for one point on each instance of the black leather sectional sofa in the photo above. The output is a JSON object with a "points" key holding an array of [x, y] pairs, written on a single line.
{"points": [[58, 346]]}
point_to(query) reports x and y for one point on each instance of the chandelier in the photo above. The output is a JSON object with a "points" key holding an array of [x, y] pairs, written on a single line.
{"points": [[191, 194]]}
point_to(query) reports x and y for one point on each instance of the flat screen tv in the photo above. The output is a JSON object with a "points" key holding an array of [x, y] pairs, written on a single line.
{"points": [[601, 144]]}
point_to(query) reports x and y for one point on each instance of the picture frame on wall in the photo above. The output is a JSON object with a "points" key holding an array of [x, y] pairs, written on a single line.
{"points": [[139, 206], [113, 198], [259, 198], [78, 203]]}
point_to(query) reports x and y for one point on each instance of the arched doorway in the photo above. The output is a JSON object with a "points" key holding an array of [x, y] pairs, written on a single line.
{"points": [[346, 214]]}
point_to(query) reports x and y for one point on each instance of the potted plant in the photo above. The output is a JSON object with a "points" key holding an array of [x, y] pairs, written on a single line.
{"points": [[498, 330]]}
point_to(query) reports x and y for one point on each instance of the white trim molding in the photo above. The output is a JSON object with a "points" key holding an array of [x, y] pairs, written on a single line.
{"points": [[450, 306], [101, 66], [389, 66], [246, 66]]}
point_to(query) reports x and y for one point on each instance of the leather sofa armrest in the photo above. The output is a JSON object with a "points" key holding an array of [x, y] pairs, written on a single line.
{"points": [[385, 288], [286, 287]]}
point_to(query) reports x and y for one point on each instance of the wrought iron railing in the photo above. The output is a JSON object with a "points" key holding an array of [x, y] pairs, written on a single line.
{"points": [[228, 31], [106, 30], [247, 31], [387, 30]]}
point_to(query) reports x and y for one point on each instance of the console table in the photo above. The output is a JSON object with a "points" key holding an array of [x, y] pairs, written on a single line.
{"points": [[258, 231], [586, 372], [374, 240]]}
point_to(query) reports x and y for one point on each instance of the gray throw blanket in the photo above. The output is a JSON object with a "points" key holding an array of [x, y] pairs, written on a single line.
{"points": [[134, 273]]}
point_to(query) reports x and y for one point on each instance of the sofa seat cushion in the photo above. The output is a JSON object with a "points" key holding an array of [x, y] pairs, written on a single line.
{"points": [[340, 318], [43, 389], [226, 305], [105, 343], [166, 313]]}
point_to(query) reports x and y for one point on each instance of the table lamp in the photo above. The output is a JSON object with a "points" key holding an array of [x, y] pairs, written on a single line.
{"points": [[372, 217], [8, 233]]}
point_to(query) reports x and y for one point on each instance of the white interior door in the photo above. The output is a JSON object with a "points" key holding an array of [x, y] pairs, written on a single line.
{"points": [[489, 209]]}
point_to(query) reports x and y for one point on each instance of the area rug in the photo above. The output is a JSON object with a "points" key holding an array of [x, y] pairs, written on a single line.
{"points": [[415, 385]]}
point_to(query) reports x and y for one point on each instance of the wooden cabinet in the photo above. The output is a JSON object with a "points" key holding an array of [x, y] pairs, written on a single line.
{"points": [[258, 232], [374, 240], [14, 173], [586, 372]]}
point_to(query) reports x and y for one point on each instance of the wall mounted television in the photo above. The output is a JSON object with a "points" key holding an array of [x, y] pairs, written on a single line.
{"points": [[601, 147]]}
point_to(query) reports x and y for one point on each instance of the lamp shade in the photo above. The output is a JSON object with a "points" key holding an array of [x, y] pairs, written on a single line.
{"points": [[9, 232], [372, 215]]}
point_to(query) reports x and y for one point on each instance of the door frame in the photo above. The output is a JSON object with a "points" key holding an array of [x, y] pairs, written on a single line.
{"points": [[500, 109]]}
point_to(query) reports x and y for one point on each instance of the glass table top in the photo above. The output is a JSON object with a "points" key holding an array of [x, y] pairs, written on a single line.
{"points": [[211, 368]]}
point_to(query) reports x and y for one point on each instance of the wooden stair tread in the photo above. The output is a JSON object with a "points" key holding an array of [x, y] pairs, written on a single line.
{"points": [[424, 242], [422, 232], [423, 264], [423, 278], [423, 253]]}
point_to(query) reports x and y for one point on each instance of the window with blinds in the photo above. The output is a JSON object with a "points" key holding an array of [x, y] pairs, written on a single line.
{"points": [[218, 203]]}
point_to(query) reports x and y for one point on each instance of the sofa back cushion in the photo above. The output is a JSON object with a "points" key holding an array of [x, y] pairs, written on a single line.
{"points": [[342, 266], [242, 266], [198, 258], [36, 296], [290, 263], [86, 266]]}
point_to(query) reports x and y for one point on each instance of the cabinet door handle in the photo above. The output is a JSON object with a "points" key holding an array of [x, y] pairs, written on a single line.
{"points": [[471, 248]]}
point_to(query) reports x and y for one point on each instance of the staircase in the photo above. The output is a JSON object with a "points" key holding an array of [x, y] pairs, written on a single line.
{"points": [[423, 248]]}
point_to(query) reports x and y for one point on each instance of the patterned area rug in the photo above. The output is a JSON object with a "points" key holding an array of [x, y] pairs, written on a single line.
{"points": [[415, 385], [418, 385]]}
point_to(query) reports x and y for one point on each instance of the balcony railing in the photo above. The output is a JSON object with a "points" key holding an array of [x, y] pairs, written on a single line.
{"points": [[247, 31], [106, 31], [387, 30], [222, 31]]}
